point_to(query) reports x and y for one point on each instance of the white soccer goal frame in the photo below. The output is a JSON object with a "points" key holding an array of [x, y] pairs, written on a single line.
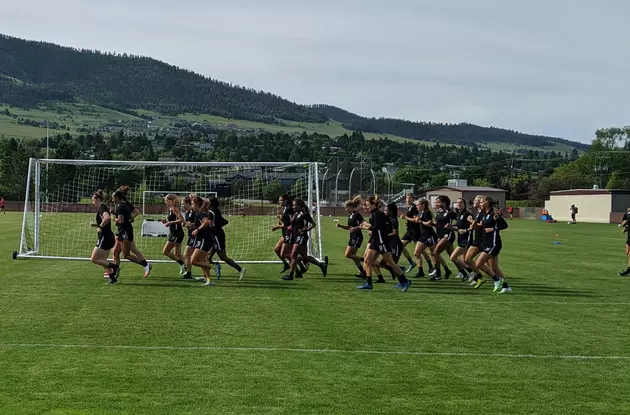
{"points": [[32, 205]]}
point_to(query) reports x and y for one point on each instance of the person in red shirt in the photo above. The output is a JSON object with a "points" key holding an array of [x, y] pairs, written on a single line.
{"points": [[2, 205], [511, 212]]}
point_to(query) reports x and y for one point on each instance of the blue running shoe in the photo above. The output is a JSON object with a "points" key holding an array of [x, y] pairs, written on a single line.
{"points": [[365, 286], [217, 270], [405, 286]]}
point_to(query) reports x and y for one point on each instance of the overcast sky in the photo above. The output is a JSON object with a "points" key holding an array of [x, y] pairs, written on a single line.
{"points": [[553, 67]]}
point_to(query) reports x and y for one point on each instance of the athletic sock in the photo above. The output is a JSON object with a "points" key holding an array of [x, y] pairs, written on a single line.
{"points": [[369, 281], [402, 279], [237, 267], [180, 262], [144, 262], [495, 278]]}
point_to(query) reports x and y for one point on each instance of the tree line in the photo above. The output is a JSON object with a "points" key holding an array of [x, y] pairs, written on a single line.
{"points": [[406, 162]]}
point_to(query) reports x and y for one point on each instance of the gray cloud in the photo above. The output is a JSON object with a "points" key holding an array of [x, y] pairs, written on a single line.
{"points": [[545, 67]]}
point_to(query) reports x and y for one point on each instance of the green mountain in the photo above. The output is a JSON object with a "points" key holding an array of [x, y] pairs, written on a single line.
{"points": [[34, 72]]}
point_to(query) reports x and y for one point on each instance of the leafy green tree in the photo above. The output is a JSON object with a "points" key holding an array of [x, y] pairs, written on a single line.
{"points": [[273, 191]]}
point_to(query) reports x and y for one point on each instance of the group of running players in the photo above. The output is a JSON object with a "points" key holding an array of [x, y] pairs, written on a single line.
{"points": [[472, 242], [202, 219], [459, 233]]}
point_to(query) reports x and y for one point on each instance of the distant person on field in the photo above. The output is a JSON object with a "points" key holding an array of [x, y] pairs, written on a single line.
{"points": [[625, 224], [511, 212], [2, 205], [573, 210]]}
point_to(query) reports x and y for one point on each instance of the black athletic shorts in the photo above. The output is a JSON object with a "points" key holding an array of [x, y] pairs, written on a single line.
{"points": [[411, 236], [355, 242], [176, 238], [205, 244], [450, 236], [430, 241], [396, 250], [122, 234], [301, 240], [191, 241], [130, 234], [288, 238], [492, 250], [465, 240], [379, 247], [218, 240], [106, 241]]}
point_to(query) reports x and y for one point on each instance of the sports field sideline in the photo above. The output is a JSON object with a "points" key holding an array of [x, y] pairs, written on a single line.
{"points": [[560, 343]]}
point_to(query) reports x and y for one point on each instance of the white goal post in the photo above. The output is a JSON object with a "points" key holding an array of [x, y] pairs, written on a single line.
{"points": [[58, 210]]}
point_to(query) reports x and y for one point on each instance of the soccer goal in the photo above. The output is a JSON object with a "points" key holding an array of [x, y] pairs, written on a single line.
{"points": [[58, 210]]}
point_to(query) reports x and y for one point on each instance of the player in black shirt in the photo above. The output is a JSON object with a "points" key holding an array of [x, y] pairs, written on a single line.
{"points": [[217, 222], [189, 224], [124, 235], [426, 236], [355, 219], [129, 232], [106, 239], [284, 244], [491, 226], [443, 223], [174, 223], [203, 239], [379, 243], [625, 224], [301, 224], [476, 246], [412, 234], [464, 233]]}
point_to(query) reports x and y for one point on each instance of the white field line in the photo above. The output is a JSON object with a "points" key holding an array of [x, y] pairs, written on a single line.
{"points": [[296, 350]]}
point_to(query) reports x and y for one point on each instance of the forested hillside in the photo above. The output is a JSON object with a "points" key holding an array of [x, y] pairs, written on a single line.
{"points": [[34, 72]]}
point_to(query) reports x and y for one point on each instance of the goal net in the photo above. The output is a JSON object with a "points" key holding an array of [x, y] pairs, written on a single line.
{"points": [[58, 210]]}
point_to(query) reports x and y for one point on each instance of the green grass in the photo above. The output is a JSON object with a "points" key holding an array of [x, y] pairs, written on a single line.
{"points": [[67, 114], [567, 301]]}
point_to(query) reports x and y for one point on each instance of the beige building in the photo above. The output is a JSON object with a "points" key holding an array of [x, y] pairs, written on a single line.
{"points": [[594, 205], [466, 192]]}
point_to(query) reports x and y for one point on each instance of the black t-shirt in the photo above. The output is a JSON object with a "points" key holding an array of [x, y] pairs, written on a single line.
{"points": [[380, 228], [205, 232], [492, 238], [355, 220], [393, 223], [426, 231], [190, 217], [175, 229], [478, 231], [107, 229], [412, 212], [122, 210], [462, 222], [287, 212], [300, 222], [218, 221], [443, 217]]}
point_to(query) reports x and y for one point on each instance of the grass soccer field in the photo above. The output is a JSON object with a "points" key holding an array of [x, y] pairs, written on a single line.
{"points": [[560, 343]]}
